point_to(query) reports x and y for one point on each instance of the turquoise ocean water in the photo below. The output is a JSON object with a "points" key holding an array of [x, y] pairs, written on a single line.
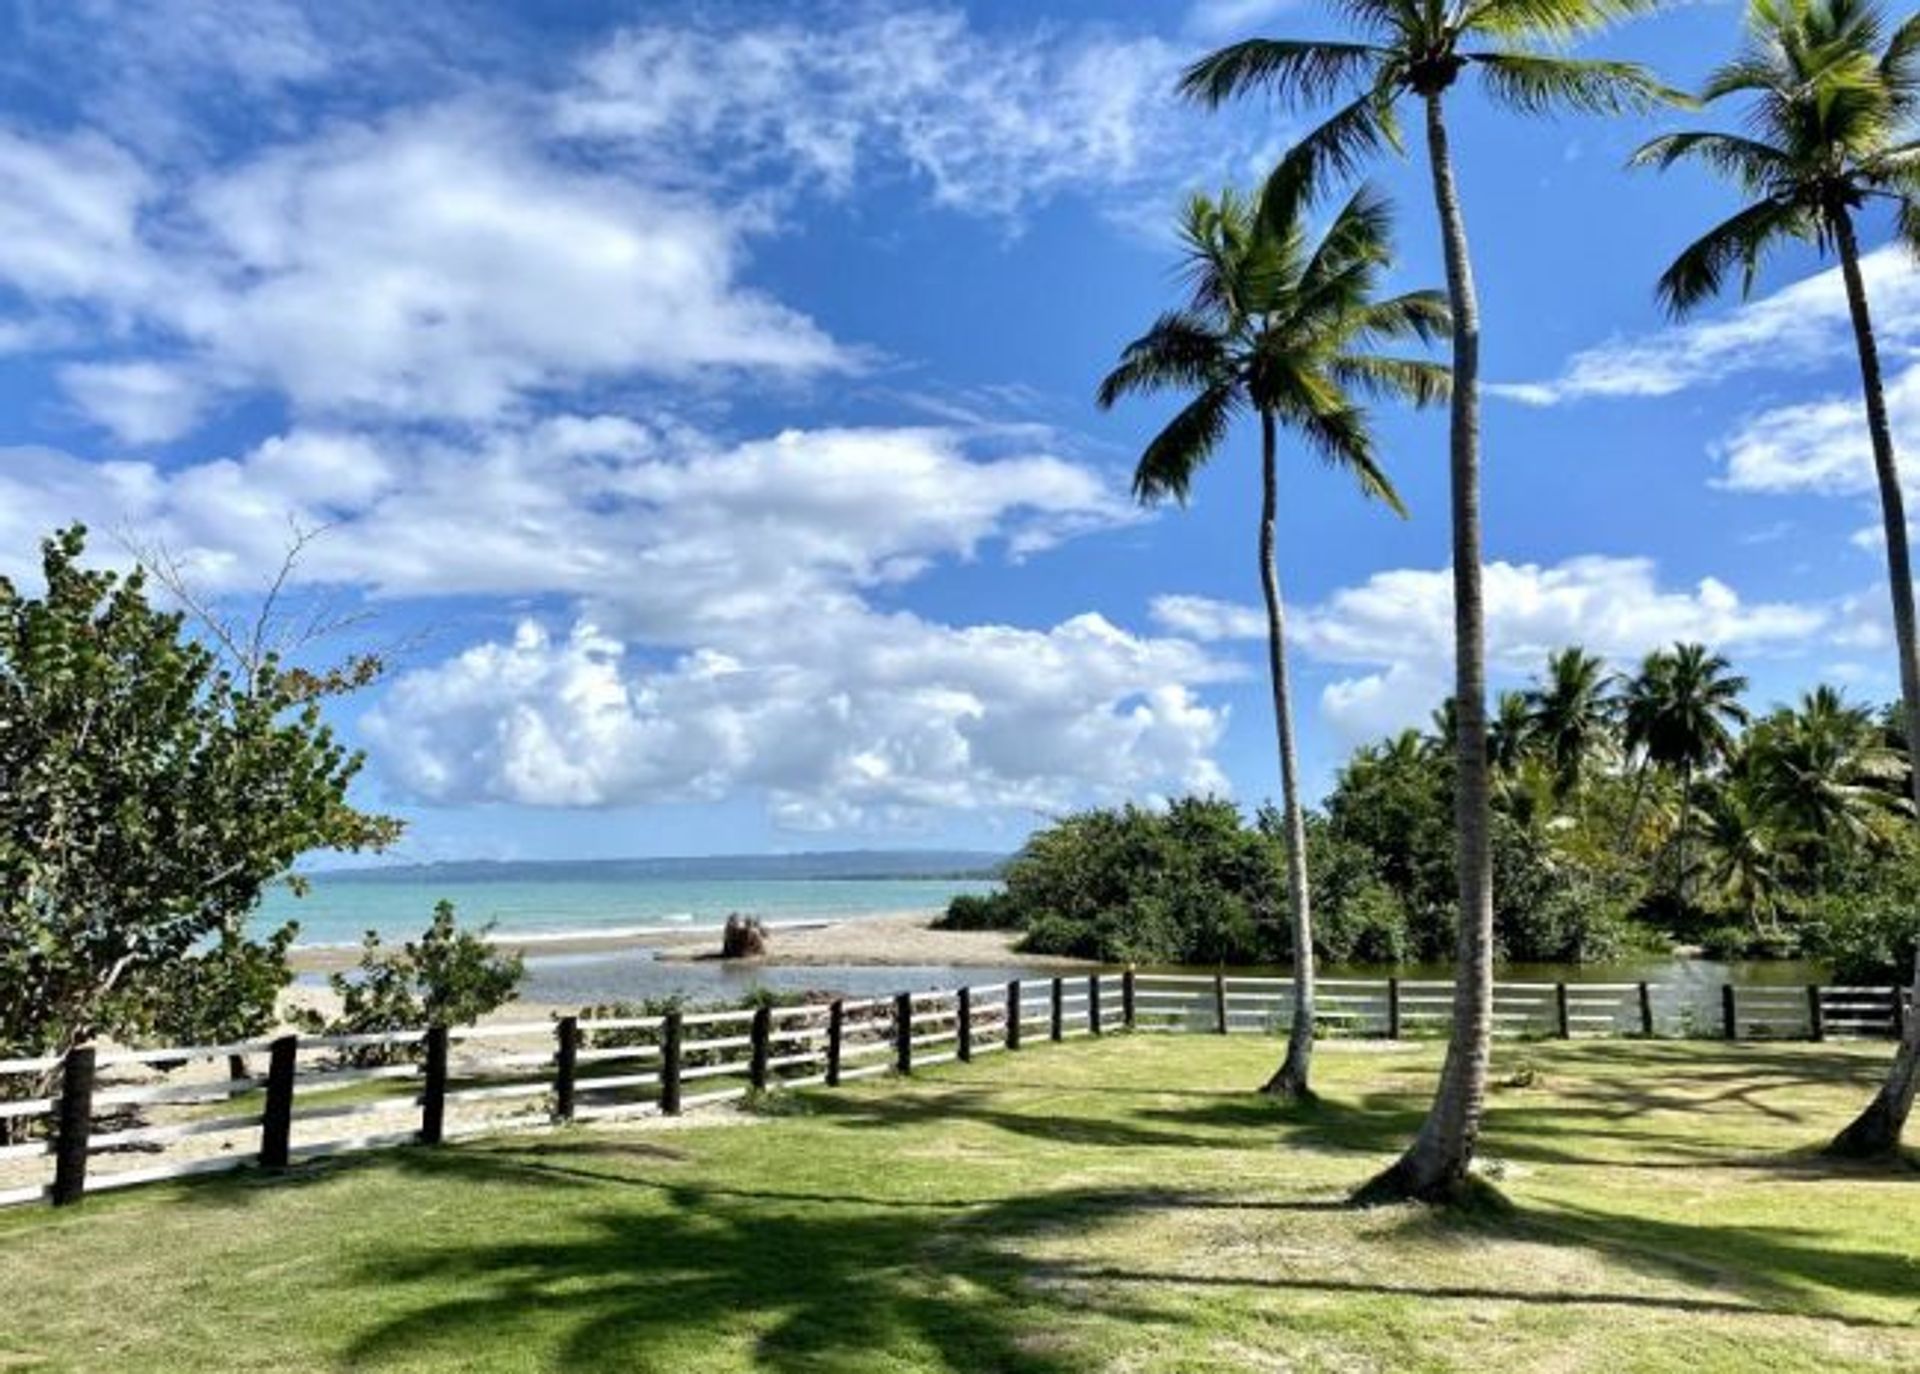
{"points": [[339, 911]]}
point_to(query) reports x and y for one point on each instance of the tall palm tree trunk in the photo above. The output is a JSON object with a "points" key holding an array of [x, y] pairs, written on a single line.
{"points": [[1292, 1080], [1877, 1130], [1434, 1168]]}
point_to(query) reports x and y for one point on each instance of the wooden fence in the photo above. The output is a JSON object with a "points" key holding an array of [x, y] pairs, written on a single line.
{"points": [[98, 1115]]}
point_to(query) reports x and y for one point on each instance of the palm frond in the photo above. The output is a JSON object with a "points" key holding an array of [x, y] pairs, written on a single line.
{"points": [[1755, 165], [1179, 450], [1419, 383], [1329, 153], [1748, 73], [1343, 439], [1742, 240], [1553, 21], [1298, 72], [1907, 224], [1900, 64], [1534, 83], [1181, 351], [1340, 275], [1422, 315]]}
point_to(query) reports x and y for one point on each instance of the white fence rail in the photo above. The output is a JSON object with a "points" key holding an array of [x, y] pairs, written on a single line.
{"points": [[75, 1129]]}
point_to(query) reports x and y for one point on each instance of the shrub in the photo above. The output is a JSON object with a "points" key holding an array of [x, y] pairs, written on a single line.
{"points": [[981, 911], [448, 977]]}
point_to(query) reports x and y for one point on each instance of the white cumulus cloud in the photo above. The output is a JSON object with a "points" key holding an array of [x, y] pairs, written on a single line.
{"points": [[874, 718], [1398, 624], [728, 626]]}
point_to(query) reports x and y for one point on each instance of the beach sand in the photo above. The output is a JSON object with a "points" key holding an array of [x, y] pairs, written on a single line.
{"points": [[898, 939]]}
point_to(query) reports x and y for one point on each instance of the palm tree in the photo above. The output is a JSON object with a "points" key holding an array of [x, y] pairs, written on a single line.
{"points": [[1510, 736], [1284, 329], [1826, 769], [1830, 130], [1420, 48], [1679, 712], [1572, 715], [1745, 862]]}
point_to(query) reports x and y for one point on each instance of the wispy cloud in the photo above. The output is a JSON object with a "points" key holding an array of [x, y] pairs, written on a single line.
{"points": [[1819, 446], [990, 121], [1797, 326], [1233, 18]]}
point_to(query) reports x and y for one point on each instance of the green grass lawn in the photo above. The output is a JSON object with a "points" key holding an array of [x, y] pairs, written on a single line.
{"points": [[1121, 1206]]}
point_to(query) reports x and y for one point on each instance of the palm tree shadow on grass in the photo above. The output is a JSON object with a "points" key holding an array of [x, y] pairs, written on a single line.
{"points": [[800, 1281], [804, 1281]]}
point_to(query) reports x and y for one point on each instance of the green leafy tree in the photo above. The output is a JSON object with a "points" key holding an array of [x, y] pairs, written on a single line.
{"points": [[1284, 329], [150, 797], [1831, 98], [1192, 884], [228, 993], [1410, 48], [447, 977]]}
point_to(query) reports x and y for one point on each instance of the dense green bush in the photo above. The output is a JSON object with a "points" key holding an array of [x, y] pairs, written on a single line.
{"points": [[1869, 931], [1190, 884], [984, 911], [1196, 884]]}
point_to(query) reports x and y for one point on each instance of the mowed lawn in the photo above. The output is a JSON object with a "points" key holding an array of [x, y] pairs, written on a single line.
{"points": [[1123, 1205]]}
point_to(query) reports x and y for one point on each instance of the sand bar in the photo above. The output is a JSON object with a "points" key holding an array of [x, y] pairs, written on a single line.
{"points": [[898, 939]]}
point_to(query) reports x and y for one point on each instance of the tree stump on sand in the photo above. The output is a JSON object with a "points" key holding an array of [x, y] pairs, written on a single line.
{"points": [[744, 938]]}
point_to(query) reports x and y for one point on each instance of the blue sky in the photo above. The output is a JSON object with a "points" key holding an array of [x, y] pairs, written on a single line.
{"points": [[697, 403]]}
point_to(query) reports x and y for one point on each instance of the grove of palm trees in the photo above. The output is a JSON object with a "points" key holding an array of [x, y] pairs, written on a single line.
{"points": [[1831, 92]]}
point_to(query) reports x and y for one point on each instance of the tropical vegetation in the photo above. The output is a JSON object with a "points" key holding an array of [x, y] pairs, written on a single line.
{"points": [[1830, 103], [1649, 809], [151, 795]]}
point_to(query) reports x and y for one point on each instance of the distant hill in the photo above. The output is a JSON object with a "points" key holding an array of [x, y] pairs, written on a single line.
{"points": [[841, 864]]}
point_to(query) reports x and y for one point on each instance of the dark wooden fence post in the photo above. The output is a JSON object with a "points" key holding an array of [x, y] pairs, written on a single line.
{"points": [[670, 1064], [1393, 1008], [433, 1092], [964, 1026], [1220, 1003], [566, 1063], [757, 1048], [903, 1032], [1901, 1011], [74, 1126], [1646, 1011], [1058, 1028], [276, 1121], [836, 1027], [1816, 1014], [1729, 1012], [1563, 1021], [1126, 998], [1093, 1003], [1013, 1014]]}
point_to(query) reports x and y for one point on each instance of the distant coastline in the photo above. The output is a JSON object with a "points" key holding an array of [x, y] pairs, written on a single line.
{"points": [[852, 865]]}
